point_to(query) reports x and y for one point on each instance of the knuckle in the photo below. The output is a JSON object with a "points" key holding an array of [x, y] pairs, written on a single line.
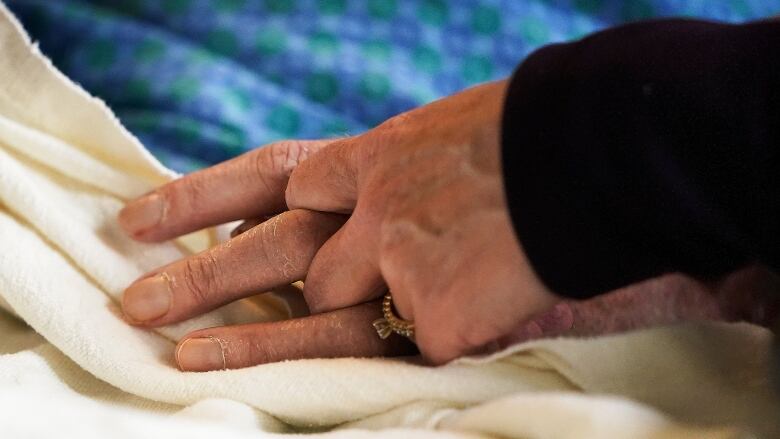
{"points": [[201, 277], [272, 165], [399, 120], [275, 249], [285, 156], [259, 170], [186, 194]]}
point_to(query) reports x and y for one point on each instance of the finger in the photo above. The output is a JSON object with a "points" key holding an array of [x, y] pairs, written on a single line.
{"points": [[327, 181], [345, 270], [463, 305], [274, 253], [247, 186], [346, 332]]}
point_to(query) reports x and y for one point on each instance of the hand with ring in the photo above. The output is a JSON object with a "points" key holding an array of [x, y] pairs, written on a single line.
{"points": [[415, 206]]}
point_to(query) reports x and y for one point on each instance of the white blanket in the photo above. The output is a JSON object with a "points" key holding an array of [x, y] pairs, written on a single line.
{"points": [[69, 364]]}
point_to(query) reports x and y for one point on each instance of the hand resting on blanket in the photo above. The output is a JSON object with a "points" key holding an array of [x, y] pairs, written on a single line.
{"points": [[415, 205]]}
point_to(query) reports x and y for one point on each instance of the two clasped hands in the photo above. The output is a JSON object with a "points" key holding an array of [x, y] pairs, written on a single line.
{"points": [[415, 206]]}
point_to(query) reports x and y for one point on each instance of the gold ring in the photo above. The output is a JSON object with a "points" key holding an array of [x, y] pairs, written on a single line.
{"points": [[390, 323]]}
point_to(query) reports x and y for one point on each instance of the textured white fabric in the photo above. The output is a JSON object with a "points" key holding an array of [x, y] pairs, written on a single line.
{"points": [[67, 165]]}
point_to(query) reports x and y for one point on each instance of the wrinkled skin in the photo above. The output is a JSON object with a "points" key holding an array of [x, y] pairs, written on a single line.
{"points": [[415, 206]]}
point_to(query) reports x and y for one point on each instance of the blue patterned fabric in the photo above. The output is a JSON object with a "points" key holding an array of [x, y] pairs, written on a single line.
{"points": [[199, 81]]}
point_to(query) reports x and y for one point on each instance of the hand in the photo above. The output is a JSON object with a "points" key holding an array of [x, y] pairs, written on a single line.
{"points": [[428, 221], [426, 218]]}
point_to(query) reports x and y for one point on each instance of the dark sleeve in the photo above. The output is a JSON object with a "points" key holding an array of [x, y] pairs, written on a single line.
{"points": [[646, 149]]}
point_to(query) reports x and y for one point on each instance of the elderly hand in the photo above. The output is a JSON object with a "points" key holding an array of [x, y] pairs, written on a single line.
{"points": [[415, 205]]}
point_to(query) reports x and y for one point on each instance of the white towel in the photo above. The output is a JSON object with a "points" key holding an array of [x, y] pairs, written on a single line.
{"points": [[66, 167]]}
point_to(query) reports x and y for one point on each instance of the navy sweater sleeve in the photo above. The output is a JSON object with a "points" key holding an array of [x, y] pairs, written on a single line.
{"points": [[645, 149]]}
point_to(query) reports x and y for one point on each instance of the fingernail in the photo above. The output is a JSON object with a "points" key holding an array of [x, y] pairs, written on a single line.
{"points": [[142, 214], [200, 355], [147, 299]]}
